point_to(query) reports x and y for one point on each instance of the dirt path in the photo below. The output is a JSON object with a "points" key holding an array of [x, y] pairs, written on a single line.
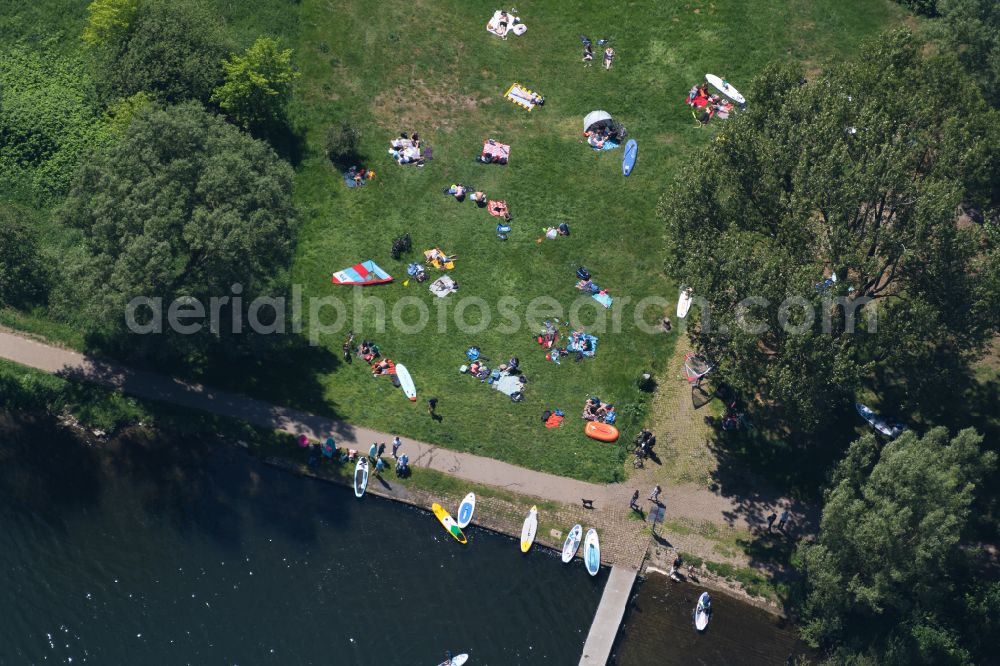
{"points": [[684, 502]]}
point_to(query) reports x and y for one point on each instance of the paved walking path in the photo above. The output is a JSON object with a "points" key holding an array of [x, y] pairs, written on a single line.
{"points": [[683, 501], [608, 618]]}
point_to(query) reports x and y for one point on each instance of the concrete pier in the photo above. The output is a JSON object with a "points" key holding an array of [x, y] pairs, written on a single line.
{"points": [[608, 618]]}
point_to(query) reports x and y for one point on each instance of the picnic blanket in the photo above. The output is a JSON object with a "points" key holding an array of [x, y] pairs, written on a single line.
{"points": [[500, 152], [584, 343], [443, 286], [521, 96], [493, 25], [603, 298], [508, 384]]}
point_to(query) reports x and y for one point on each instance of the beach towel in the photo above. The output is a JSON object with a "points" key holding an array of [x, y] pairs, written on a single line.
{"points": [[497, 208], [443, 286], [604, 299], [554, 421], [609, 144], [521, 96], [439, 259]]}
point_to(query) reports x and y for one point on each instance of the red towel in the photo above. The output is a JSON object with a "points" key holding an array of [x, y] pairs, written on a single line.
{"points": [[554, 421]]}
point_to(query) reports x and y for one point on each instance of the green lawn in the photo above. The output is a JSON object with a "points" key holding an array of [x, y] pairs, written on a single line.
{"points": [[432, 67]]}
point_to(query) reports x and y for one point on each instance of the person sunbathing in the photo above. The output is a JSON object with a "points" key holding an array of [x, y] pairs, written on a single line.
{"points": [[479, 198], [381, 367], [502, 22], [596, 140], [458, 191]]}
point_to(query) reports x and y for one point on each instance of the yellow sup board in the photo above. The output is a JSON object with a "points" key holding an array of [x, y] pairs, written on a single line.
{"points": [[449, 523]]}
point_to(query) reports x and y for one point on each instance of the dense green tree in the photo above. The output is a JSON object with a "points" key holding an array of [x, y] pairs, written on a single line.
{"points": [[972, 29], [889, 576], [22, 272], [183, 205], [108, 20], [49, 119], [858, 175], [170, 49], [257, 84]]}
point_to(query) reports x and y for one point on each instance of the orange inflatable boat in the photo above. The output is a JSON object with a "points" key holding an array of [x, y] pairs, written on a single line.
{"points": [[600, 431]]}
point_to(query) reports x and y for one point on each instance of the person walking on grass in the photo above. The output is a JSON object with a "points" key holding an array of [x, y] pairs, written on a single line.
{"points": [[782, 519], [379, 466], [432, 405], [395, 447], [373, 451], [634, 504], [654, 496], [770, 521]]}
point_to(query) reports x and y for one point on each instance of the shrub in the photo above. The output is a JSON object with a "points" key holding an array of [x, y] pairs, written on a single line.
{"points": [[342, 143]]}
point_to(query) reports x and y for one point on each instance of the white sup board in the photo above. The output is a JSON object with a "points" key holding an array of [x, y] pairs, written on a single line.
{"points": [[406, 382], [572, 543], [528, 529], [683, 303], [457, 660], [725, 88], [466, 509], [702, 612], [361, 477], [592, 552]]}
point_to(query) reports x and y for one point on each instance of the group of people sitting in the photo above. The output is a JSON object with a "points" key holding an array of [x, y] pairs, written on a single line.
{"points": [[504, 22], [478, 369], [598, 135], [368, 351], [706, 105], [359, 175], [551, 233], [383, 366], [595, 410], [460, 192], [406, 149]]}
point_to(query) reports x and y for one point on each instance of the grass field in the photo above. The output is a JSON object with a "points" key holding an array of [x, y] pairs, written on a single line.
{"points": [[431, 67]]}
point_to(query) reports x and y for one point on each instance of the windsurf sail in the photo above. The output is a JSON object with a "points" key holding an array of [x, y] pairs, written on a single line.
{"points": [[367, 272], [695, 367]]}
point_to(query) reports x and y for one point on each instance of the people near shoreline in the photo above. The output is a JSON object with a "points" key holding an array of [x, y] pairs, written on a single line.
{"points": [[373, 451], [379, 466], [381, 449]]}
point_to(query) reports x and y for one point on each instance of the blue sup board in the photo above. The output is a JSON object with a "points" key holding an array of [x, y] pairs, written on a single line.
{"points": [[628, 161]]}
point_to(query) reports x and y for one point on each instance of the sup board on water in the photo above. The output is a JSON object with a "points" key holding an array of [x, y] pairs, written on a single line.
{"points": [[457, 660], [448, 523], [572, 543], [528, 529], [725, 88], [702, 612], [592, 552], [466, 509], [361, 477], [628, 160], [406, 382], [684, 302]]}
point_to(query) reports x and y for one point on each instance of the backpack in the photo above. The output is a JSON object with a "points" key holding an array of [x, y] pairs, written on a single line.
{"points": [[517, 396], [583, 273], [545, 415]]}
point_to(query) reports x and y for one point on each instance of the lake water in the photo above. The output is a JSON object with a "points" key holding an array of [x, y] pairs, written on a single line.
{"points": [[659, 629], [148, 551]]}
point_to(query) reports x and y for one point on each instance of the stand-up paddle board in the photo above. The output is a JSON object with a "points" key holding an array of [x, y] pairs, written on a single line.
{"points": [[528, 529], [592, 552], [628, 160], [702, 612], [890, 430], [684, 303], [360, 477], [406, 382], [572, 543], [448, 522], [457, 660], [466, 509], [726, 88]]}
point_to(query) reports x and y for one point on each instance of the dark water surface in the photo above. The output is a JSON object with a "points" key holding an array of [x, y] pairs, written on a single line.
{"points": [[148, 551], [659, 629]]}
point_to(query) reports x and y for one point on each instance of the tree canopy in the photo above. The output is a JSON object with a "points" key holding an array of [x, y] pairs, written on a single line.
{"points": [[972, 29], [257, 84], [108, 20], [889, 576], [22, 272], [171, 50], [857, 175], [183, 205]]}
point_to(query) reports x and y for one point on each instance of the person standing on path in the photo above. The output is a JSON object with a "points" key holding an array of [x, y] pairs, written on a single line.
{"points": [[381, 449], [395, 447], [770, 520], [782, 520], [654, 496], [373, 451], [634, 504]]}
